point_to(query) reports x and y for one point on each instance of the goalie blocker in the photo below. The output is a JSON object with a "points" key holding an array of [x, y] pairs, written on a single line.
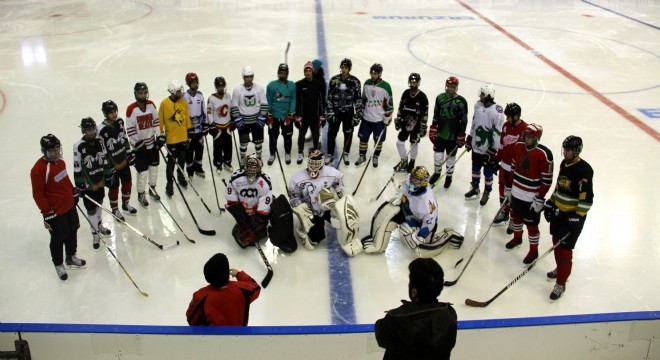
{"points": [[280, 230]]}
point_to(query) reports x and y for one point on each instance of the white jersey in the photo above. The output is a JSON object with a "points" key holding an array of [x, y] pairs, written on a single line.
{"points": [[304, 189], [217, 111], [256, 197], [196, 109], [377, 101], [486, 127], [142, 125], [420, 210], [249, 103]]}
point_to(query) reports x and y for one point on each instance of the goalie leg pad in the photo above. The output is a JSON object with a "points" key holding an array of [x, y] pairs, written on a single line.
{"points": [[328, 199], [305, 216], [346, 221], [280, 230], [382, 225], [447, 238]]}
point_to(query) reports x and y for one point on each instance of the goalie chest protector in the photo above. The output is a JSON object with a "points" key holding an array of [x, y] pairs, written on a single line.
{"points": [[280, 230]]}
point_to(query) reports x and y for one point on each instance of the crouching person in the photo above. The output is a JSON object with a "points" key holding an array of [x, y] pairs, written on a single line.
{"points": [[249, 198], [415, 214], [317, 196]]}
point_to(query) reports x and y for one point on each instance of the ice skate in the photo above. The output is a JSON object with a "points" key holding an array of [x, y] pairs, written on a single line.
{"points": [[361, 160], [473, 193], [142, 199], [557, 292]]}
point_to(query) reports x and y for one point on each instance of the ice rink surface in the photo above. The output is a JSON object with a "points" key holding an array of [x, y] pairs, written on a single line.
{"points": [[577, 68]]}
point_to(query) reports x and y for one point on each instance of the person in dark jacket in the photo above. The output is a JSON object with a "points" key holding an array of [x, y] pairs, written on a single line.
{"points": [[422, 328]]}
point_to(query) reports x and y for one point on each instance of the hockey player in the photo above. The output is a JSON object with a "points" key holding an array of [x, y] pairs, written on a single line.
{"points": [[377, 114], [448, 129], [281, 95], [200, 127], [528, 182], [411, 121], [56, 198], [317, 196], [249, 197], [142, 128], [344, 109], [310, 109], [415, 213], [484, 140], [119, 156], [91, 173], [217, 111], [511, 134], [249, 110], [566, 211], [177, 131]]}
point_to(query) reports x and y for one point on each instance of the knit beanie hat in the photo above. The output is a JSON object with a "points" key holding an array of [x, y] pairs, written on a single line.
{"points": [[216, 270]]}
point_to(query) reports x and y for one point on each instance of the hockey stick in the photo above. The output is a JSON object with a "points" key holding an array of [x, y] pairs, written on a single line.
{"points": [[474, 303], [391, 178], [238, 154], [445, 161], [369, 161], [172, 217], [269, 274], [113, 254], [271, 138], [476, 246], [183, 173], [286, 54], [131, 227], [208, 152], [202, 231]]}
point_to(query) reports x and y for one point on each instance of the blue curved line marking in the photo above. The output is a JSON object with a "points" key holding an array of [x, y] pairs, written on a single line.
{"points": [[622, 15], [411, 52]]}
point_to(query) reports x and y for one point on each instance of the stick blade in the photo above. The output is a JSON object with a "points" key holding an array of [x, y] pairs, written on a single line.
{"points": [[458, 262], [267, 279], [170, 246], [143, 293], [450, 283], [474, 303], [206, 232]]}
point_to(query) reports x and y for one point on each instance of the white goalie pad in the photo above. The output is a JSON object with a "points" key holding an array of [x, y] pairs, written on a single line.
{"points": [[346, 221], [381, 228], [441, 240], [304, 215]]}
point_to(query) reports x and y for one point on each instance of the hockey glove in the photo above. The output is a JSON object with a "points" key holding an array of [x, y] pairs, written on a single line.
{"points": [[160, 141], [238, 123], [468, 143], [288, 119], [388, 118], [538, 204], [398, 123], [330, 116], [269, 120], [460, 140], [130, 155], [321, 121], [433, 132], [549, 211], [49, 220], [494, 165], [575, 222], [110, 179], [261, 121], [205, 128], [356, 118]]}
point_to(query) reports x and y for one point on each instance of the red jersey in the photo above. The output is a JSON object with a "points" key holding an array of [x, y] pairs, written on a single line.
{"points": [[52, 189], [225, 306], [532, 172], [510, 136]]}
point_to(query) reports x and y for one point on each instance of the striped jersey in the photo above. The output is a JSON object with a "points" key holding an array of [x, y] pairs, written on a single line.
{"points": [[377, 101], [486, 127], [217, 111], [249, 103], [532, 172], [574, 190], [142, 125], [196, 109], [508, 139]]}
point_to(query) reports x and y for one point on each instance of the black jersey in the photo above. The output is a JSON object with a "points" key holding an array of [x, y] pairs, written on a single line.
{"points": [[574, 190], [310, 98], [416, 105], [344, 94], [89, 162], [115, 141]]}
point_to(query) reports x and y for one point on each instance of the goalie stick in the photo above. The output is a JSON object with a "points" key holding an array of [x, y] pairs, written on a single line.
{"points": [[201, 231], [131, 227], [474, 303], [476, 246], [208, 152], [113, 254], [391, 178], [269, 273], [184, 175]]}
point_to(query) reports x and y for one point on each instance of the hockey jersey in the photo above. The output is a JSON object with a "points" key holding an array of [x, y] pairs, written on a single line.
{"points": [[344, 94], [574, 190], [531, 172], [414, 107], [281, 98], [51, 187], [217, 111], [175, 120], [256, 197], [304, 189], [115, 142], [508, 139], [310, 98], [377, 101], [142, 125], [486, 127], [420, 210], [90, 163], [249, 103], [196, 109], [450, 116]]}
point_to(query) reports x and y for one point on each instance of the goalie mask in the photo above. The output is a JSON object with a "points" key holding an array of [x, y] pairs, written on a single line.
{"points": [[88, 128], [314, 163], [419, 179], [51, 147], [252, 167]]}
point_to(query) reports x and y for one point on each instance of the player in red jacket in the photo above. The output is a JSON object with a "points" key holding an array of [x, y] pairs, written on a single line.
{"points": [[55, 196]]}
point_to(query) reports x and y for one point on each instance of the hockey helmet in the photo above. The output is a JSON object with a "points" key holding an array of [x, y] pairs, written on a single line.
{"points": [[219, 81], [314, 163], [252, 167], [347, 63], [414, 77], [451, 81], [88, 128], [247, 71], [488, 89], [535, 130], [376, 68], [419, 179], [141, 88], [573, 143], [190, 77], [283, 67], [51, 147], [512, 109], [108, 106], [174, 86]]}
